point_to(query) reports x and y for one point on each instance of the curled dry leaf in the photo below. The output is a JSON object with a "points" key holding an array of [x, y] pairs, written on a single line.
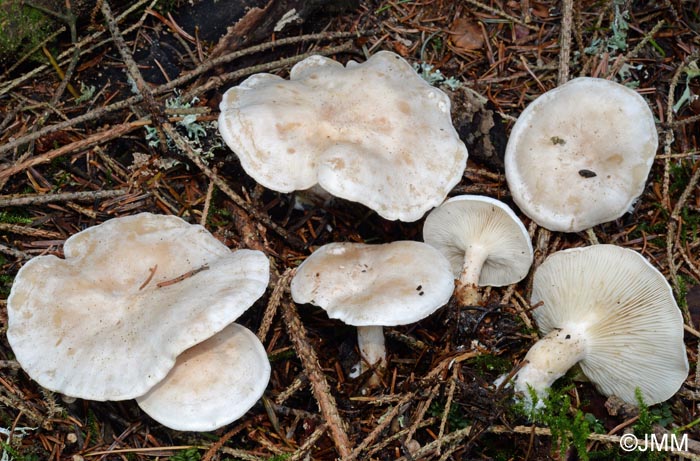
{"points": [[465, 35]]}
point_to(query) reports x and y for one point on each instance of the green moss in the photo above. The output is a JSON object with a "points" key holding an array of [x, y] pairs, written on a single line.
{"points": [[570, 427], [456, 418], [488, 363], [682, 295], [21, 29], [16, 454], [283, 355], [280, 457], [92, 428], [5, 284], [648, 417], [680, 173], [14, 218], [190, 454], [645, 229]]}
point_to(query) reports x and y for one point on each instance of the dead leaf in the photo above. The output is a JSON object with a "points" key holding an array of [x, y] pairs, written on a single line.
{"points": [[466, 35], [401, 49], [541, 10]]}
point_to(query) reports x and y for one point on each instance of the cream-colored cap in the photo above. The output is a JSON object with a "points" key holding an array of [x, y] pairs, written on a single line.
{"points": [[579, 154], [108, 321], [374, 133], [375, 285], [212, 384]]}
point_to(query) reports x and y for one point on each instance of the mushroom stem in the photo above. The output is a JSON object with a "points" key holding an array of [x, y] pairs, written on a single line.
{"points": [[370, 340], [467, 290], [548, 360]]}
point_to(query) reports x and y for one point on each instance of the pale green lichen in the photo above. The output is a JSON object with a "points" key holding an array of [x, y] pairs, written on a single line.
{"points": [[435, 77]]}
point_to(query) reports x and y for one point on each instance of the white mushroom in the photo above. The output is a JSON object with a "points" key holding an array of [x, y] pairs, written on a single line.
{"points": [[212, 384], [108, 321], [374, 133], [609, 310], [485, 242], [579, 155], [371, 286]]}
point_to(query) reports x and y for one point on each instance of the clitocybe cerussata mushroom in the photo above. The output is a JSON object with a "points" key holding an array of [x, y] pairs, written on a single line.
{"points": [[579, 154], [609, 310], [372, 286], [485, 242], [108, 321], [212, 383], [374, 133]]}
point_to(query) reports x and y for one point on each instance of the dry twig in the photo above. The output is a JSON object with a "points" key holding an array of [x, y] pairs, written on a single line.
{"points": [[565, 41], [319, 384], [38, 199], [281, 287]]}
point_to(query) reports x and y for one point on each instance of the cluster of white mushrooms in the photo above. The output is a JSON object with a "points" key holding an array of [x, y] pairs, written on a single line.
{"points": [[142, 307], [603, 307], [152, 318]]}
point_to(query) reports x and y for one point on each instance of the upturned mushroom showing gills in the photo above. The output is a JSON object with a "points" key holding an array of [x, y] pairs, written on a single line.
{"points": [[609, 310], [485, 242], [372, 286], [374, 133], [579, 154], [212, 383], [109, 320]]}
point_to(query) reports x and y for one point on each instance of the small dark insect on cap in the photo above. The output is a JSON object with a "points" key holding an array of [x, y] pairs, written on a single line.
{"points": [[587, 173]]}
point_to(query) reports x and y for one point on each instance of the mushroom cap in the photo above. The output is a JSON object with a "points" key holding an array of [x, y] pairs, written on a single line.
{"points": [[375, 285], [89, 326], [579, 154], [467, 221], [374, 133], [625, 309], [212, 383]]}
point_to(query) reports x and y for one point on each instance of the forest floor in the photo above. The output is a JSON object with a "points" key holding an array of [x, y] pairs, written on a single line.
{"points": [[78, 148]]}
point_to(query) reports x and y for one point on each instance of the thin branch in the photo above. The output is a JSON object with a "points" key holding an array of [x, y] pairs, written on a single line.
{"points": [[39, 199], [685, 121], [565, 41], [621, 60], [216, 446], [392, 412], [15, 253], [448, 404], [459, 435], [182, 144], [100, 112], [672, 223], [308, 445], [37, 70], [207, 203], [30, 231], [114, 132], [386, 441], [274, 302], [220, 80], [319, 384], [502, 14], [132, 68]]}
